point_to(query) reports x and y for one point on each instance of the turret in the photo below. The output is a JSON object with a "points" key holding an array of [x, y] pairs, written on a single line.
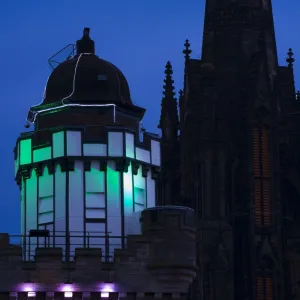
{"points": [[83, 170]]}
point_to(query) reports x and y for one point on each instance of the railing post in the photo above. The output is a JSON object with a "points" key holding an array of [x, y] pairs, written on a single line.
{"points": [[29, 246], [67, 246], [107, 247]]}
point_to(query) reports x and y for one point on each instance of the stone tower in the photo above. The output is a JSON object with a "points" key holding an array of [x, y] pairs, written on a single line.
{"points": [[82, 170], [231, 111]]}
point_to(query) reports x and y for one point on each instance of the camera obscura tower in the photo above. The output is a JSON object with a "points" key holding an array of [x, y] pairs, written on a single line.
{"points": [[83, 169]]}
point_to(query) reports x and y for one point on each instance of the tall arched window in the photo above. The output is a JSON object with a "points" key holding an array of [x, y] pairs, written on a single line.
{"points": [[262, 177], [264, 288]]}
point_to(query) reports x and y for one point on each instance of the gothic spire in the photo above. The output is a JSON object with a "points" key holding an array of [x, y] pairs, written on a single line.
{"points": [[169, 115]]}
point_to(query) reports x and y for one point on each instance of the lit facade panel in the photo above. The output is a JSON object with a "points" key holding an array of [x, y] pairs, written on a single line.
{"points": [[139, 191], [58, 144], [74, 144], [23, 202], [94, 149], [129, 141], [155, 153], [114, 217], [151, 186], [60, 205], [128, 191], [76, 204], [31, 210], [115, 144], [25, 152], [41, 154], [142, 155], [95, 179]]}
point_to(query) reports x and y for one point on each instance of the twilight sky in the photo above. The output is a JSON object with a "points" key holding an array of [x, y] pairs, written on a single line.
{"points": [[138, 36]]}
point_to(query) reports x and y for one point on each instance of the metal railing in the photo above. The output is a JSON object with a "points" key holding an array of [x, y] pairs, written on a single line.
{"points": [[68, 242]]}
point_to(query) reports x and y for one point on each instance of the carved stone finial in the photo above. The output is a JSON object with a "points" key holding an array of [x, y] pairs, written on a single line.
{"points": [[187, 51], [290, 59]]}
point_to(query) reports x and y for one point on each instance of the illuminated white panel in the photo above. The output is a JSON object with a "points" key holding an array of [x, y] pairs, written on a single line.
{"points": [[155, 153], [95, 200], [46, 217], [95, 233], [46, 184], [151, 200], [128, 199], [74, 145], [129, 140], [58, 144], [76, 204], [113, 204], [94, 149], [142, 154], [42, 154], [23, 207], [95, 213], [95, 192], [45, 205], [31, 208], [128, 191], [139, 190], [95, 181], [60, 205], [115, 144]]}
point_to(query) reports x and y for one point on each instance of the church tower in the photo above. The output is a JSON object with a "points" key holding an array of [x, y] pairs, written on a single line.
{"points": [[82, 170], [229, 149]]}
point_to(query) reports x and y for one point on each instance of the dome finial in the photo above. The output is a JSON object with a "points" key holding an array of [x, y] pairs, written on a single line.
{"points": [[86, 32], [85, 44]]}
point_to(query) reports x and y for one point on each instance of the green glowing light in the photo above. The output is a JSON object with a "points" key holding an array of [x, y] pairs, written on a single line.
{"points": [[25, 152], [113, 187], [128, 191], [41, 154]]}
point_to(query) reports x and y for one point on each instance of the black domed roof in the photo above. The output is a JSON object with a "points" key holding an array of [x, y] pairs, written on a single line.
{"points": [[86, 78]]}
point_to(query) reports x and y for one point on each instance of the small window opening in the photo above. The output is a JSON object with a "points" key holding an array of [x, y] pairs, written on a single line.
{"points": [[101, 77]]}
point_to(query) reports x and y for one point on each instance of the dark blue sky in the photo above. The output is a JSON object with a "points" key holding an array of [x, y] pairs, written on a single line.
{"points": [[138, 36]]}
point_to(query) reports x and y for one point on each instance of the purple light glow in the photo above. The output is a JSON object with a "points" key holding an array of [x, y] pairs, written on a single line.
{"points": [[66, 288], [106, 288], [28, 287]]}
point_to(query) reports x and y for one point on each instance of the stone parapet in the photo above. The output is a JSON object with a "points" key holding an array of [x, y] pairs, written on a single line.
{"points": [[161, 260]]}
